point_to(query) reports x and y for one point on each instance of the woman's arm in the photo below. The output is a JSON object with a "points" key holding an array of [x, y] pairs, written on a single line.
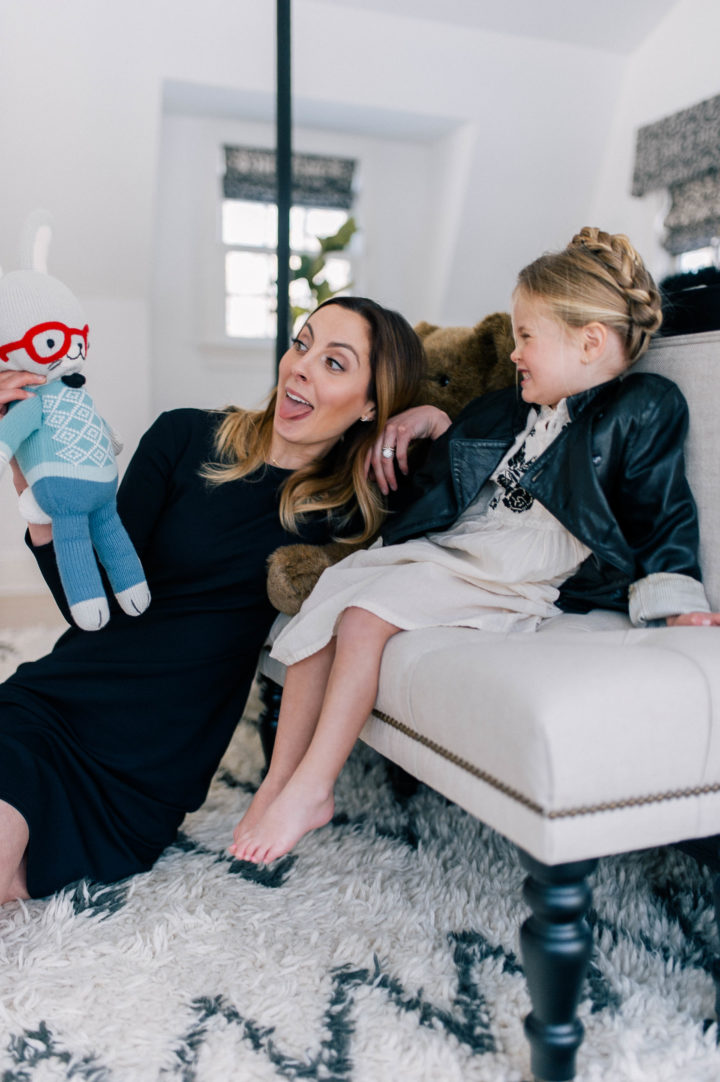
{"points": [[39, 540], [144, 488], [416, 423]]}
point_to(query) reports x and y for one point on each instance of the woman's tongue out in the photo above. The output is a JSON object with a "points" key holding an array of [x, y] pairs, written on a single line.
{"points": [[292, 407]]}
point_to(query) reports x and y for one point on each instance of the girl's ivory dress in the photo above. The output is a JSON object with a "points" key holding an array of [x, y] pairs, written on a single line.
{"points": [[497, 568]]}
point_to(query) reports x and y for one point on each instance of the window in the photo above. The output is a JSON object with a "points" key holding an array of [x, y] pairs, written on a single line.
{"points": [[697, 258], [322, 200], [680, 154]]}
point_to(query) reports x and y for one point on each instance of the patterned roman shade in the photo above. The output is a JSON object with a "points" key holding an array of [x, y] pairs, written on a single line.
{"points": [[681, 154], [317, 180]]}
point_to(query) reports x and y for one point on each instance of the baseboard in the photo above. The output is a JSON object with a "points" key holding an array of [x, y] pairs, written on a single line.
{"points": [[29, 610], [24, 597]]}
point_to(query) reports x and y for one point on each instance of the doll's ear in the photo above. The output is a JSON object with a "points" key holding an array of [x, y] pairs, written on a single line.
{"points": [[35, 241]]}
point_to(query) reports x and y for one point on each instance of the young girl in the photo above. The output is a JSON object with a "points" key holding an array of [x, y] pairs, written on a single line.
{"points": [[569, 496]]}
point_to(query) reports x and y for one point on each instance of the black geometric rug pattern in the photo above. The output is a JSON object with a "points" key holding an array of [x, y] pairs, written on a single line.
{"points": [[384, 948]]}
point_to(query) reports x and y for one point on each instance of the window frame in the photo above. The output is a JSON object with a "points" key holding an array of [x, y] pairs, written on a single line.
{"points": [[321, 183], [348, 256]]}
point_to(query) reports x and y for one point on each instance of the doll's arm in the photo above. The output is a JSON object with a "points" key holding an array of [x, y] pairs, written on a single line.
{"points": [[29, 508], [13, 388], [15, 427], [38, 538], [115, 442]]}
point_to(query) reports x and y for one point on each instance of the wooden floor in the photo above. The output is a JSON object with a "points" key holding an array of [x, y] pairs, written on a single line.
{"points": [[28, 611]]}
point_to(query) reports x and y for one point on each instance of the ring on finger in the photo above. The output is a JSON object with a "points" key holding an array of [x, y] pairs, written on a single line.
{"points": [[388, 452]]}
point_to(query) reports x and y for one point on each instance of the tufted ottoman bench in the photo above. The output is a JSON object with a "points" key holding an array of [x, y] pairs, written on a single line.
{"points": [[587, 738]]}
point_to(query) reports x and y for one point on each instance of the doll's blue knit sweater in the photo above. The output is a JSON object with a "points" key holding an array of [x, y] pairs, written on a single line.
{"points": [[58, 433]]}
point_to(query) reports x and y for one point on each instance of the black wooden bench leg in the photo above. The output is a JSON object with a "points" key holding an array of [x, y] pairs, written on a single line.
{"points": [[270, 694], [556, 943]]}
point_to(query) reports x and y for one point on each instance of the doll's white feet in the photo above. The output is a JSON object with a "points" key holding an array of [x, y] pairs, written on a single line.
{"points": [[135, 599], [298, 809], [91, 615]]}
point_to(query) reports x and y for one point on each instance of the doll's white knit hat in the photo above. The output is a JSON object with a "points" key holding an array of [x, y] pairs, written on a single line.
{"points": [[29, 298]]}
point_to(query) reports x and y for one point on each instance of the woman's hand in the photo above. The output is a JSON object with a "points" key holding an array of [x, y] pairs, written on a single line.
{"points": [[12, 387], [694, 619], [416, 423], [18, 477]]}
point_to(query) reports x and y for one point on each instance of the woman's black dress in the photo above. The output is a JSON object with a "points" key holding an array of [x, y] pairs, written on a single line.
{"points": [[107, 742]]}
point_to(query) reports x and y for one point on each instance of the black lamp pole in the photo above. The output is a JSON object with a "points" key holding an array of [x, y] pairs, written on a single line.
{"points": [[283, 121]]}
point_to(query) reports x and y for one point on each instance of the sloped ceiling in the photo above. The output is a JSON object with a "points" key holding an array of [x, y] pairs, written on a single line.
{"points": [[617, 26]]}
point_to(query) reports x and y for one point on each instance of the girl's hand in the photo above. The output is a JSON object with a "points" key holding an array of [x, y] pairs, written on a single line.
{"points": [[694, 619], [416, 423], [12, 387]]}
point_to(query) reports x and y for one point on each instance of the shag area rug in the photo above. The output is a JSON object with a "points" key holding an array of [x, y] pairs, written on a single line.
{"points": [[384, 949]]}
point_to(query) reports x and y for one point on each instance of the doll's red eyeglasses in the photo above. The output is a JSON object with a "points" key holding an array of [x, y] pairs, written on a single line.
{"points": [[45, 342]]}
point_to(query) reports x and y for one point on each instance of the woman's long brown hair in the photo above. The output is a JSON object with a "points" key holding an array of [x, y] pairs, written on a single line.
{"points": [[335, 483]]}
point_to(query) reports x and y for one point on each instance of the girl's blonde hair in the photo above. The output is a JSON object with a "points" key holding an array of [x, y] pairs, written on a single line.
{"points": [[598, 277], [335, 483]]}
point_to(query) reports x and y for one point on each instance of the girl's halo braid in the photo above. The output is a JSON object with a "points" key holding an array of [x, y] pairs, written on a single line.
{"points": [[598, 277]]}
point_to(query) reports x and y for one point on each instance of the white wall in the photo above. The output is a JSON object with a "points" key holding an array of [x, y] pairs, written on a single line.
{"points": [[676, 67], [518, 141], [193, 361]]}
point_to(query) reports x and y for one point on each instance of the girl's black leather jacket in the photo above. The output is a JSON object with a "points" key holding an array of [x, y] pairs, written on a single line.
{"points": [[615, 477]]}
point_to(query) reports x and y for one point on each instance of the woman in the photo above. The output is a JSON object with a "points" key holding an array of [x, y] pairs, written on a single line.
{"points": [[107, 743]]}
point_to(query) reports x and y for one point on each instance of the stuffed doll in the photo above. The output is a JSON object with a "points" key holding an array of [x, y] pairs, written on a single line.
{"points": [[64, 449], [462, 363]]}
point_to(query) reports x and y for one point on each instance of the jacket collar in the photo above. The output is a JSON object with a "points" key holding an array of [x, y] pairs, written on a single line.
{"points": [[577, 403]]}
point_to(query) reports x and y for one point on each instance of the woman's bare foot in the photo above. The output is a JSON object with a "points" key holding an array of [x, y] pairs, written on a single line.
{"points": [[300, 808], [267, 791], [18, 887]]}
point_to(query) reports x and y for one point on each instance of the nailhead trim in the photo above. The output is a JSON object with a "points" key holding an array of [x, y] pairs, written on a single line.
{"points": [[514, 794]]}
